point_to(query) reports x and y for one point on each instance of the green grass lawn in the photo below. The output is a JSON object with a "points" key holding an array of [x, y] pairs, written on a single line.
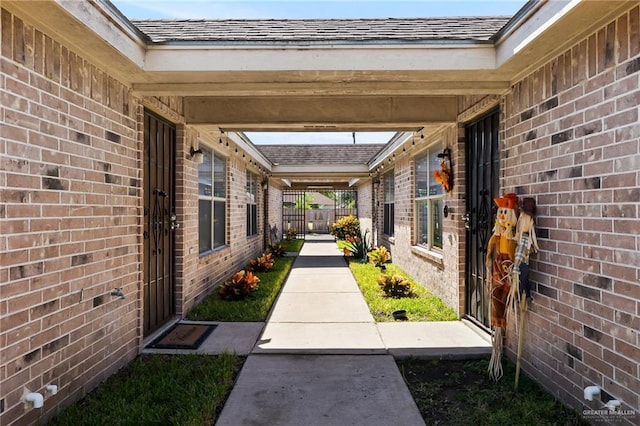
{"points": [[422, 307], [255, 308], [292, 245], [181, 390]]}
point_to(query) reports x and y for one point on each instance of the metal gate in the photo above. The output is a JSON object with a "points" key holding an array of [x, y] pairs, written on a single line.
{"points": [[346, 203], [315, 211], [293, 212], [482, 185], [159, 222]]}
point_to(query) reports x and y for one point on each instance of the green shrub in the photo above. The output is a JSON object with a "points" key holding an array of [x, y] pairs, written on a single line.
{"points": [[346, 225], [395, 286]]}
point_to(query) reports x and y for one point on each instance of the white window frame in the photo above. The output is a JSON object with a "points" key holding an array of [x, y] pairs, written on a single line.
{"points": [[388, 197], [252, 204], [215, 192], [431, 197]]}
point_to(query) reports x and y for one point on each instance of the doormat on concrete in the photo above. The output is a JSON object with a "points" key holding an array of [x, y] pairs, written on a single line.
{"points": [[183, 336]]}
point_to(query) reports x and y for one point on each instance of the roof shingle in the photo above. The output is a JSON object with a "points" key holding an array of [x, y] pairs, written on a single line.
{"points": [[257, 31]]}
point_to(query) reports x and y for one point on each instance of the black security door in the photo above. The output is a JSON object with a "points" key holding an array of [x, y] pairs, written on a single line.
{"points": [[483, 171], [159, 222]]}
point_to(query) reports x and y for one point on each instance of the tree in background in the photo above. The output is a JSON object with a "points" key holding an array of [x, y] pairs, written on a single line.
{"points": [[304, 202]]}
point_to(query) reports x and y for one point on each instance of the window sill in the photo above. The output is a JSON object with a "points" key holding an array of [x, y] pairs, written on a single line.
{"points": [[391, 240], [436, 258], [207, 253]]}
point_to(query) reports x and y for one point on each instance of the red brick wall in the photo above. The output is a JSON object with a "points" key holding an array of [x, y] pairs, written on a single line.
{"points": [[274, 208], [365, 194], [572, 141], [215, 267], [440, 272], [70, 211]]}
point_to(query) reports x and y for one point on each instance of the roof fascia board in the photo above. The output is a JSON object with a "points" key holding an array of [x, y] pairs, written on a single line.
{"points": [[338, 58], [89, 27], [245, 144], [395, 143], [531, 28], [542, 33]]}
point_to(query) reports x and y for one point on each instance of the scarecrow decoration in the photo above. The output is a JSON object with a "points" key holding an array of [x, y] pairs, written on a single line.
{"points": [[520, 286], [499, 263], [508, 251]]}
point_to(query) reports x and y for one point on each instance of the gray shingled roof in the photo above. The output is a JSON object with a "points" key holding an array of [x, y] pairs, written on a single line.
{"points": [[320, 154], [389, 30]]}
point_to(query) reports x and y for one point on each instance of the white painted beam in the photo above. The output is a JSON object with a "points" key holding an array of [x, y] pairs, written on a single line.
{"points": [[336, 58], [325, 111], [381, 87]]}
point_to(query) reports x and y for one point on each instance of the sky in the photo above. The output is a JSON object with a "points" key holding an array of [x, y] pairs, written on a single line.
{"points": [[308, 9], [265, 9]]}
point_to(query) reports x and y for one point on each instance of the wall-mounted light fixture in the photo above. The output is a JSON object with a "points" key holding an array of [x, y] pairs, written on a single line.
{"points": [[197, 155], [446, 155]]}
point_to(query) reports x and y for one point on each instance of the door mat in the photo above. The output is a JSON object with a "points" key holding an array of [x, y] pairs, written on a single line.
{"points": [[183, 336]]}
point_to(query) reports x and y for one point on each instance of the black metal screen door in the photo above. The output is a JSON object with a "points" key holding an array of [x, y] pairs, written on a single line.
{"points": [[159, 221], [483, 171]]}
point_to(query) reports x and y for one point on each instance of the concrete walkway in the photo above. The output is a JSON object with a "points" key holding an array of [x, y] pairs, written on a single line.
{"points": [[322, 360]]}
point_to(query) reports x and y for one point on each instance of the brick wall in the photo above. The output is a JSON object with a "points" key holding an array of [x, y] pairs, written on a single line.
{"points": [[274, 208], [70, 210], [215, 267], [441, 273], [365, 193], [571, 141]]}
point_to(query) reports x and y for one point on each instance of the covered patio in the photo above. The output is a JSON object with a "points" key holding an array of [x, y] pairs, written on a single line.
{"points": [[130, 189]]}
